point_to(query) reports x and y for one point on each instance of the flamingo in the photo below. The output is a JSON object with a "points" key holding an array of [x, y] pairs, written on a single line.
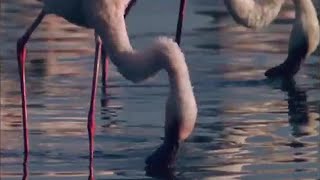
{"points": [[73, 12], [304, 36], [106, 18], [254, 14], [304, 39], [136, 66]]}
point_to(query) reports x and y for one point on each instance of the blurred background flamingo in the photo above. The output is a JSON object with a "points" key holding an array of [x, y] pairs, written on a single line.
{"points": [[304, 37]]}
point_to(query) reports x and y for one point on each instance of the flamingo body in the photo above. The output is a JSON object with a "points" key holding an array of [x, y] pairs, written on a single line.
{"points": [[254, 13], [71, 10], [106, 17]]}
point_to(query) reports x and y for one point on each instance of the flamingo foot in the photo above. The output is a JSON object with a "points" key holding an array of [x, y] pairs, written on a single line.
{"points": [[164, 157], [283, 70]]}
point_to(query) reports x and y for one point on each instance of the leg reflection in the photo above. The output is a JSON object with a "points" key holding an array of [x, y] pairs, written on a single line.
{"points": [[300, 118], [104, 67], [25, 166], [91, 170]]}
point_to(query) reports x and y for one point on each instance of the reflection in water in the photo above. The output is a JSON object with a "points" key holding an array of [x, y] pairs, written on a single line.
{"points": [[303, 122], [25, 174], [248, 127]]}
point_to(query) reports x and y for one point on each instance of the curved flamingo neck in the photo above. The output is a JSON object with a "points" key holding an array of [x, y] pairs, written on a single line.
{"points": [[132, 64], [136, 66]]}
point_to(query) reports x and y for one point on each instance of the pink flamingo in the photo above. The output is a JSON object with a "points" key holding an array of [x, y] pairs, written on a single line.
{"points": [[304, 37], [72, 12], [106, 17]]}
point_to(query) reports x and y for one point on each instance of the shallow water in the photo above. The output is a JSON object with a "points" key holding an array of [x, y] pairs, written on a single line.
{"points": [[248, 127]]}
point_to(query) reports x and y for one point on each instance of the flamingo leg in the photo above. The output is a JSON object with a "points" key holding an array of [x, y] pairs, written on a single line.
{"points": [[91, 170], [105, 67], [91, 115], [180, 21], [21, 56], [25, 167], [105, 59], [104, 77]]}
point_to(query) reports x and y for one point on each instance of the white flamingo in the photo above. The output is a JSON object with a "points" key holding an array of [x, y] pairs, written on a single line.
{"points": [[106, 17], [74, 13], [252, 13], [304, 37]]}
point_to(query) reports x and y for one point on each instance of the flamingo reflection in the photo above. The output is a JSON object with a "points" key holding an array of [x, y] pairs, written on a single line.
{"points": [[303, 121], [25, 175]]}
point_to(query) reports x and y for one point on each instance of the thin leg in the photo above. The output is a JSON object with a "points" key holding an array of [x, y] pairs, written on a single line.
{"points": [[91, 115], [104, 78], [91, 170], [105, 67], [180, 21], [22, 53]]}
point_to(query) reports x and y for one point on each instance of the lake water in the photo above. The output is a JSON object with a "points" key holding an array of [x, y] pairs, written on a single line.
{"points": [[248, 127]]}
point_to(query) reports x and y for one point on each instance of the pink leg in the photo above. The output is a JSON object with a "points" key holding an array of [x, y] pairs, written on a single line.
{"points": [[91, 115], [180, 21], [91, 170], [105, 67], [104, 78], [21, 53], [105, 61]]}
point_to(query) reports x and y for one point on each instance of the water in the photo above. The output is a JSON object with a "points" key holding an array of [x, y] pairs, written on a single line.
{"points": [[248, 127]]}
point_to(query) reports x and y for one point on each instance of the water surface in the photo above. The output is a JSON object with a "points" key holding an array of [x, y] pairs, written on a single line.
{"points": [[248, 127]]}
